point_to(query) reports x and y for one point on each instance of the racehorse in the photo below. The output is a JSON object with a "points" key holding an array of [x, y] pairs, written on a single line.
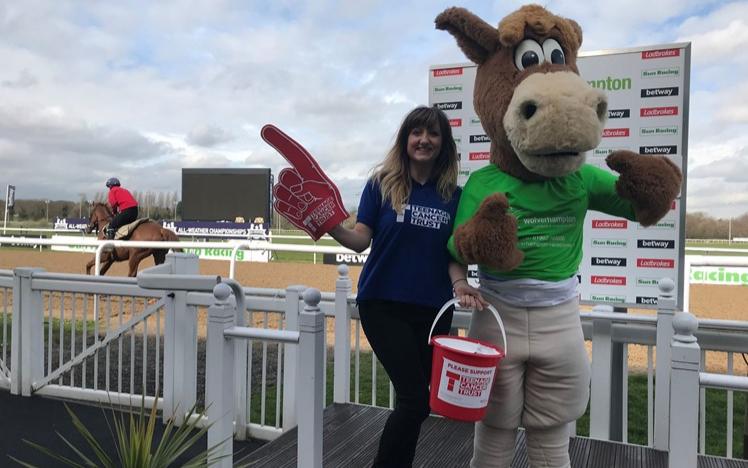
{"points": [[146, 231]]}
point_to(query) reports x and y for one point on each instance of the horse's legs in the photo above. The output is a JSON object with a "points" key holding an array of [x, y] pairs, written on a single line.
{"points": [[159, 256], [90, 265], [106, 257], [109, 262], [135, 258]]}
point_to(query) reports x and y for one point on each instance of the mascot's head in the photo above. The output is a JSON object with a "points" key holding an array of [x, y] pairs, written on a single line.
{"points": [[540, 114]]}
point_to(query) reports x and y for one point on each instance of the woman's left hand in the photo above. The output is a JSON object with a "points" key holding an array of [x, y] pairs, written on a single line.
{"points": [[469, 296]]}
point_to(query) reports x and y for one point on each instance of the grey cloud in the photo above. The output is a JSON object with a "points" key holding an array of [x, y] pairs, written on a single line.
{"points": [[24, 80], [208, 136], [732, 169]]}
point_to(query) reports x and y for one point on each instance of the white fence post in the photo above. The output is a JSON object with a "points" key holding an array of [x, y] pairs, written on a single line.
{"points": [[184, 335], [602, 348], [219, 376], [27, 348], [684, 397], [290, 359], [342, 369], [665, 313], [311, 374]]}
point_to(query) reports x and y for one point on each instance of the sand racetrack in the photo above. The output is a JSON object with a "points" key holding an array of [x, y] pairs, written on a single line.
{"points": [[707, 301]]}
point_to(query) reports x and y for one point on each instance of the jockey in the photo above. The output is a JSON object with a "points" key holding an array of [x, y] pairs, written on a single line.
{"points": [[123, 204]]}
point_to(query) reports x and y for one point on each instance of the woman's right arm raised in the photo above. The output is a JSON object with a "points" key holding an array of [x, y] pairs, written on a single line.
{"points": [[357, 239]]}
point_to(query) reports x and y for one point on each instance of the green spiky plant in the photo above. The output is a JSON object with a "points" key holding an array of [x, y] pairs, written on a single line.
{"points": [[133, 436]]}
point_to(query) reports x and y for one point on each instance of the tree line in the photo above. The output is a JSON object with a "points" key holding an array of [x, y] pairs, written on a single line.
{"points": [[166, 205]]}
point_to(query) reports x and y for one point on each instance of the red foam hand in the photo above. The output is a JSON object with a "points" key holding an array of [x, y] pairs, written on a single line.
{"points": [[304, 195]]}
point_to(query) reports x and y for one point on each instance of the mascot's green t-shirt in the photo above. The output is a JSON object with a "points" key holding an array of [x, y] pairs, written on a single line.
{"points": [[550, 216]]}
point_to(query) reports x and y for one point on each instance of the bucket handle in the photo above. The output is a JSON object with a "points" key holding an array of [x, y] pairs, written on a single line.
{"points": [[457, 301]]}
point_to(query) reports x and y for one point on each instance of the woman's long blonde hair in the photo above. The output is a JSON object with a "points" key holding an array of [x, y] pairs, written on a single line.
{"points": [[393, 173]]}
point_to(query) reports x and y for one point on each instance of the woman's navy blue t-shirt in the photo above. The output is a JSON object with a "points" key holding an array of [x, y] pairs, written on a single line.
{"points": [[409, 257]]}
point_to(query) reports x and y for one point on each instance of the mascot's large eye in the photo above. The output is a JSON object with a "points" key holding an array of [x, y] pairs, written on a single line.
{"points": [[553, 52], [527, 54]]}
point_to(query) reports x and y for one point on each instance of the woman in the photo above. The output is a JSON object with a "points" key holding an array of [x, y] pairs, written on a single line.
{"points": [[407, 209]]}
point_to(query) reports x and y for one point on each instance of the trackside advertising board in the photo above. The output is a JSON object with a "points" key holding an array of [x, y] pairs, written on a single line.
{"points": [[647, 89]]}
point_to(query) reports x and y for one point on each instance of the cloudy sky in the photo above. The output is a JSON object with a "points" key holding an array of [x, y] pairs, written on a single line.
{"points": [[142, 89]]}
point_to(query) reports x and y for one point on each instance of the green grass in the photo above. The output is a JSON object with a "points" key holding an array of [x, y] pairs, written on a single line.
{"points": [[718, 245], [300, 257]]}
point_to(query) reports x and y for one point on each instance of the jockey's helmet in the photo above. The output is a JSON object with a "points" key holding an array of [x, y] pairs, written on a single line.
{"points": [[112, 182]]}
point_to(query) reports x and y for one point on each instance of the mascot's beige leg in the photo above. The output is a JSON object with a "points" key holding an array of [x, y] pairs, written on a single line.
{"points": [[493, 447], [548, 448]]}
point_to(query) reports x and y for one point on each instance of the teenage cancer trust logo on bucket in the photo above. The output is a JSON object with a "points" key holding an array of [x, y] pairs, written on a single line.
{"points": [[465, 386]]}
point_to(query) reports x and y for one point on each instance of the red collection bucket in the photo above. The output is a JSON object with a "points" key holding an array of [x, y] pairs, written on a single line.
{"points": [[462, 372]]}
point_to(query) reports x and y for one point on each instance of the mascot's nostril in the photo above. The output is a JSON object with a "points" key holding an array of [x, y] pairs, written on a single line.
{"points": [[602, 110], [528, 109]]}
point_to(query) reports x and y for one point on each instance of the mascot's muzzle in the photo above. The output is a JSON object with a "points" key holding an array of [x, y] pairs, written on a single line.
{"points": [[552, 120]]}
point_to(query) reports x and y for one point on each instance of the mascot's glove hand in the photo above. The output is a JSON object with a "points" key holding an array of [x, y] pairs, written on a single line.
{"points": [[304, 195], [490, 237], [651, 183]]}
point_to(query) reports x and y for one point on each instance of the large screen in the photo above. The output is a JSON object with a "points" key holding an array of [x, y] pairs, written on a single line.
{"points": [[226, 194]]}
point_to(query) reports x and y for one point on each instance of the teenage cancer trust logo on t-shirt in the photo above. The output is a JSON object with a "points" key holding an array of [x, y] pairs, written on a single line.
{"points": [[424, 216]]}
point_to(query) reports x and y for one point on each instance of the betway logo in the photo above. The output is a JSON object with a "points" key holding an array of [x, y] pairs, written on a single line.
{"points": [[445, 106], [448, 71], [479, 139], [656, 131], [646, 300], [615, 132], [655, 263], [659, 92], [655, 244], [609, 243], [669, 72], [609, 224], [608, 261], [609, 280], [662, 53], [455, 122], [479, 156], [619, 113], [668, 149], [658, 111], [448, 89]]}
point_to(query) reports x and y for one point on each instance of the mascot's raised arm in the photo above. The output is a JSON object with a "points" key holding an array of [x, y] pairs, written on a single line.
{"points": [[521, 220]]}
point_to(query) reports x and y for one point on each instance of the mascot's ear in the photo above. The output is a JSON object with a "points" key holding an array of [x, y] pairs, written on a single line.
{"points": [[577, 30], [477, 39]]}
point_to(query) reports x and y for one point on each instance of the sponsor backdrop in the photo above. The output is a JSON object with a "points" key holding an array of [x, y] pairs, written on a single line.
{"points": [[647, 92]]}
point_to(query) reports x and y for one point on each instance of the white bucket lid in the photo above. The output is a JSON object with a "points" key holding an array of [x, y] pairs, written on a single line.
{"points": [[466, 346]]}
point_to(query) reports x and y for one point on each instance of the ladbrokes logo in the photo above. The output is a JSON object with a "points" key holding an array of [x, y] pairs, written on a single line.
{"points": [[455, 122], [662, 53], [655, 263], [448, 106], [658, 131], [608, 261], [448, 89], [658, 111], [668, 149], [479, 139], [609, 224], [608, 280], [615, 132], [479, 156], [655, 244], [448, 71], [659, 92], [619, 113], [646, 300], [667, 72]]}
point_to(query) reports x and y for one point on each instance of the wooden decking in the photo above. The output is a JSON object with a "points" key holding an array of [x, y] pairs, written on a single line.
{"points": [[351, 436]]}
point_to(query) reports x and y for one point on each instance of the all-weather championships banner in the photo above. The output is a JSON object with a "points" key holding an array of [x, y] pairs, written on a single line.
{"points": [[647, 91]]}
